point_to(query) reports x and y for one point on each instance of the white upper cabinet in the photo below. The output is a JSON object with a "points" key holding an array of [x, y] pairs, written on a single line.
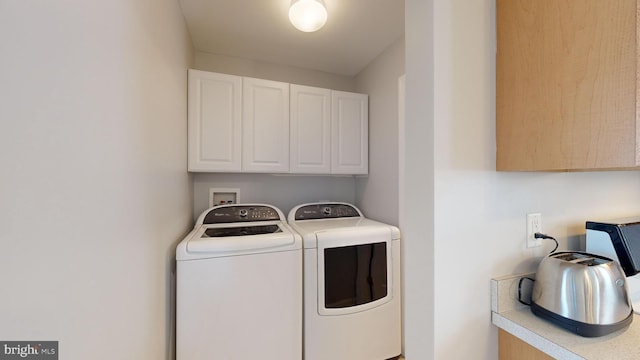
{"points": [[349, 133], [310, 126], [214, 121], [241, 124], [265, 122]]}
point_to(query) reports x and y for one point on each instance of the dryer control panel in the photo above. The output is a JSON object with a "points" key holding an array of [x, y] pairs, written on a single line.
{"points": [[240, 213], [326, 211]]}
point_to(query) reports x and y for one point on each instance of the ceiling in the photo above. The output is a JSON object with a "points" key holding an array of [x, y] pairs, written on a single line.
{"points": [[356, 32]]}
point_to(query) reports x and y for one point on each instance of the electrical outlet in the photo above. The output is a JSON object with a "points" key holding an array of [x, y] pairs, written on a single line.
{"points": [[534, 225]]}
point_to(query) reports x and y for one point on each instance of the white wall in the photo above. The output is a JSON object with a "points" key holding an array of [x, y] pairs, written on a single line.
{"points": [[94, 188], [479, 214], [418, 180], [282, 191], [262, 70], [377, 194]]}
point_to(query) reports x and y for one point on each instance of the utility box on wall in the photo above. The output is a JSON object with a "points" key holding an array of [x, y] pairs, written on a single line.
{"points": [[221, 196]]}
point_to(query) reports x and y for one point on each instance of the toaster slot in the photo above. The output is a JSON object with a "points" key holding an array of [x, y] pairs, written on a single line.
{"points": [[582, 259], [591, 262]]}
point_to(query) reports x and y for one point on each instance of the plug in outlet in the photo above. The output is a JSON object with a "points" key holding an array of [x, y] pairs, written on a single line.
{"points": [[534, 225]]}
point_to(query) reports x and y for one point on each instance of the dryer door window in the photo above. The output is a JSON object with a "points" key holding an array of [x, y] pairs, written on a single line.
{"points": [[354, 270], [355, 275]]}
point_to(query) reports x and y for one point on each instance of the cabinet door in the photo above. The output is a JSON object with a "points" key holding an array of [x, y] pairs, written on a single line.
{"points": [[265, 122], [512, 348], [310, 126], [566, 79], [214, 121], [349, 133]]}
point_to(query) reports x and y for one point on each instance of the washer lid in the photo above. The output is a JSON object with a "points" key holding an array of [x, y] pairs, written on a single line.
{"points": [[240, 231], [239, 238]]}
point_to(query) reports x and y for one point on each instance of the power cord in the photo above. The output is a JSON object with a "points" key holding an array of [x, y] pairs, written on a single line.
{"points": [[545, 236]]}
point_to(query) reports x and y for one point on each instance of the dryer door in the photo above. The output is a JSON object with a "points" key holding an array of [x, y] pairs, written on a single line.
{"points": [[354, 269]]}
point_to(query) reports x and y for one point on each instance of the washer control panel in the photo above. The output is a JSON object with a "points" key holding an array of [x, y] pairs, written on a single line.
{"points": [[240, 213], [326, 211]]}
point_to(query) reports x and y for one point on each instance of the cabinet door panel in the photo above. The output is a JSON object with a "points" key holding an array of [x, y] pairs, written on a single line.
{"points": [[349, 128], [310, 125], [566, 79], [265, 120], [214, 121], [512, 348]]}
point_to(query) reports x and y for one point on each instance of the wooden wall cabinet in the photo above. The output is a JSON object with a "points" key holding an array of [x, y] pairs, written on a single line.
{"points": [[566, 85]]}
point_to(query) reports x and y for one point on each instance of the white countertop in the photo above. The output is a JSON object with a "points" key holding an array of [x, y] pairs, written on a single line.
{"points": [[509, 315]]}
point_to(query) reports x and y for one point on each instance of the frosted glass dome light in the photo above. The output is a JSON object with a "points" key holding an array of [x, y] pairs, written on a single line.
{"points": [[308, 15]]}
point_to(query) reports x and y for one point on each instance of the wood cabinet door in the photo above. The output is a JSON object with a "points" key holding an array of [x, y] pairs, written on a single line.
{"points": [[265, 124], [512, 348], [310, 126], [214, 121], [566, 79], [349, 133]]}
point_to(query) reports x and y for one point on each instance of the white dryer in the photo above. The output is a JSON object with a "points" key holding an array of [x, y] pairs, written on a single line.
{"points": [[239, 286], [351, 283]]}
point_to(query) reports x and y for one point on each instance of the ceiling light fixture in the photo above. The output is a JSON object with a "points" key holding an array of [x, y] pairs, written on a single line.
{"points": [[308, 15]]}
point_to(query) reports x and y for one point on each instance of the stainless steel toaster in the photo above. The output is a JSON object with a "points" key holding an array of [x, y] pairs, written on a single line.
{"points": [[583, 293]]}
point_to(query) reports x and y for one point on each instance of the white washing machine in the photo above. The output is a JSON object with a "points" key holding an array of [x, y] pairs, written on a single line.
{"points": [[239, 286], [351, 283]]}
